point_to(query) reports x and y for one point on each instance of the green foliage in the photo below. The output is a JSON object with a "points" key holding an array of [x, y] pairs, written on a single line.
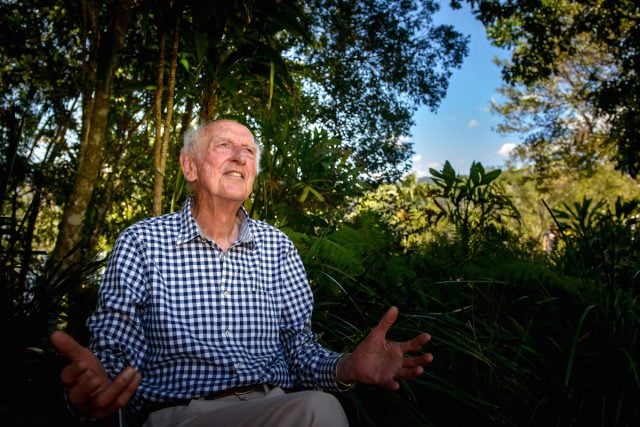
{"points": [[372, 63], [356, 273], [536, 199], [519, 338], [465, 208], [601, 248], [560, 128], [473, 203], [545, 36], [405, 207], [516, 338], [34, 302], [601, 241], [307, 176]]}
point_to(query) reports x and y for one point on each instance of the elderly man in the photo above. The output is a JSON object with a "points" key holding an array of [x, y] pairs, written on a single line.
{"points": [[204, 315]]}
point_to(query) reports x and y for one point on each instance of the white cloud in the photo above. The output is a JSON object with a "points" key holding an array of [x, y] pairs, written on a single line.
{"points": [[419, 168], [420, 173], [506, 149], [473, 123]]}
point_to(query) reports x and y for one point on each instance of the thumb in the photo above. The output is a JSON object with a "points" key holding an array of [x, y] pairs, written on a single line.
{"points": [[387, 320], [67, 346]]}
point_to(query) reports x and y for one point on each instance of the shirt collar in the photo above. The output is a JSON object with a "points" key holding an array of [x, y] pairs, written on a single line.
{"points": [[189, 229]]}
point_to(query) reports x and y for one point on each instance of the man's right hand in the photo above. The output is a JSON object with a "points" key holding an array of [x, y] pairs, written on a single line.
{"points": [[89, 387]]}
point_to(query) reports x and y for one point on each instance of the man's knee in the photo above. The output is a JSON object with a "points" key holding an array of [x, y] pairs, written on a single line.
{"points": [[318, 409]]}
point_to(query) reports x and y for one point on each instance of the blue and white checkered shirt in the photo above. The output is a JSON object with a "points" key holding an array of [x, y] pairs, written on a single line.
{"points": [[194, 320]]}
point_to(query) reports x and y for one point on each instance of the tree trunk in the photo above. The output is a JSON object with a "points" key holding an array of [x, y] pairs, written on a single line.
{"points": [[158, 175], [162, 144], [91, 149]]}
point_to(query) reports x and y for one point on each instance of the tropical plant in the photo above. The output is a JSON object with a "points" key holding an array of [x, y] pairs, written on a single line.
{"points": [[600, 247], [472, 204], [405, 207], [33, 302], [306, 178], [601, 241]]}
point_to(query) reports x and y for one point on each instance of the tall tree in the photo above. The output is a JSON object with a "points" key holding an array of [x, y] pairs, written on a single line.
{"points": [[105, 47], [544, 33], [38, 98], [231, 48], [164, 122], [373, 63], [563, 130], [257, 60]]}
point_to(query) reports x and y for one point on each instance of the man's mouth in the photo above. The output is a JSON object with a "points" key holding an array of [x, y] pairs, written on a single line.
{"points": [[235, 174]]}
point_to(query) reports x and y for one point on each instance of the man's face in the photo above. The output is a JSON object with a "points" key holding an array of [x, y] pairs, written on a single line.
{"points": [[224, 164]]}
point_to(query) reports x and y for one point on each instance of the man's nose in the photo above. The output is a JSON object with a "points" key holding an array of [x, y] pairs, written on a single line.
{"points": [[239, 154]]}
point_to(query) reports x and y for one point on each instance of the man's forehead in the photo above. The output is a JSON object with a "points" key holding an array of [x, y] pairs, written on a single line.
{"points": [[228, 130]]}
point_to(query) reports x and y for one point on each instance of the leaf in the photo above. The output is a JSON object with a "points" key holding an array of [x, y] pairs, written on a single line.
{"points": [[448, 173], [309, 189], [491, 176]]}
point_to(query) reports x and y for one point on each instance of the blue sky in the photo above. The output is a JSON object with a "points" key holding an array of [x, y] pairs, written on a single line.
{"points": [[461, 130]]}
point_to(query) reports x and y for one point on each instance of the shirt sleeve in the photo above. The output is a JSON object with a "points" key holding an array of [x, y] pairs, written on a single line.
{"points": [[118, 338], [312, 365]]}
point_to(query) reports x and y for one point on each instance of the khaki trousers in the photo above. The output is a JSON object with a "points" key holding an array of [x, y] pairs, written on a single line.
{"points": [[273, 408]]}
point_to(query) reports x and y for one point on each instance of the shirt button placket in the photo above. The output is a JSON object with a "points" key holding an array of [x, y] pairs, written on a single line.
{"points": [[226, 295]]}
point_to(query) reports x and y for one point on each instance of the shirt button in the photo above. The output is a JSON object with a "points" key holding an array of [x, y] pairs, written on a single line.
{"points": [[225, 294], [227, 333]]}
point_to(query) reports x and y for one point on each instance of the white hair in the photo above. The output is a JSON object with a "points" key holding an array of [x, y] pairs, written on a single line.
{"points": [[193, 137]]}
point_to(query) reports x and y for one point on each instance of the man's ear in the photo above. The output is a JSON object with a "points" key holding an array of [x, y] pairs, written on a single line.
{"points": [[189, 169]]}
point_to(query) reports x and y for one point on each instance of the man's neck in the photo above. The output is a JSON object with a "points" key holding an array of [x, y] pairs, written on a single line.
{"points": [[219, 222]]}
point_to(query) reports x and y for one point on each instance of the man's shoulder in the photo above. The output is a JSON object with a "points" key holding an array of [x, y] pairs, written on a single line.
{"points": [[158, 221], [265, 230], [263, 226], [156, 225]]}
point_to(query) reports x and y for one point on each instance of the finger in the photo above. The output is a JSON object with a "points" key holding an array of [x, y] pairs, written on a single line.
{"points": [[82, 393], [73, 372], [105, 399], [119, 385], [392, 384], [130, 390], [120, 390], [420, 360], [416, 343], [67, 346], [409, 373], [387, 320], [111, 404], [78, 374]]}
